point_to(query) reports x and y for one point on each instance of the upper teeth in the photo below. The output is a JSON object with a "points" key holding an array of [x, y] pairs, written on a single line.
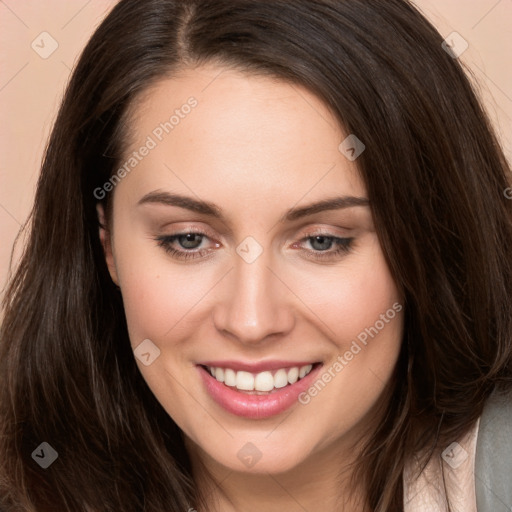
{"points": [[264, 381]]}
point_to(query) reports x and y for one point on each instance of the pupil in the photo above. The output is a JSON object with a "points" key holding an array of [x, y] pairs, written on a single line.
{"points": [[189, 240], [323, 240]]}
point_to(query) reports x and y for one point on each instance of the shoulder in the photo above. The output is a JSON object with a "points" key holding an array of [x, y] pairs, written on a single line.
{"points": [[446, 479], [493, 458], [473, 473]]}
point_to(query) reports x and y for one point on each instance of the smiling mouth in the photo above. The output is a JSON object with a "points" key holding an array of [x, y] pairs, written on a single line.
{"points": [[261, 383]]}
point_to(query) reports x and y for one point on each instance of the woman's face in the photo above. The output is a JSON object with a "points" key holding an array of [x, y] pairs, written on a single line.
{"points": [[268, 287]]}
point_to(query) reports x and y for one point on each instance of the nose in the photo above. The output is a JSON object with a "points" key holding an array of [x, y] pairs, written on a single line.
{"points": [[255, 305]]}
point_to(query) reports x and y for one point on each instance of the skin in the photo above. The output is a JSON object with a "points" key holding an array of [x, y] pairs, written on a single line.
{"points": [[256, 147]]}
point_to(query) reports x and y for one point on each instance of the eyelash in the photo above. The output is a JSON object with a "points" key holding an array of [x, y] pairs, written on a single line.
{"points": [[344, 246]]}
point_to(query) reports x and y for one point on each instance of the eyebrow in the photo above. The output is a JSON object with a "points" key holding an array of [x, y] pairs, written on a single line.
{"points": [[212, 210]]}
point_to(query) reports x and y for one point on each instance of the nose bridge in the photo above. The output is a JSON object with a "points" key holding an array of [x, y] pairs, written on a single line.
{"points": [[255, 303]]}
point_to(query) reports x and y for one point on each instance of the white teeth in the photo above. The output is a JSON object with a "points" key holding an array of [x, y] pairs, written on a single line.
{"points": [[263, 381], [280, 379], [304, 370], [244, 381], [219, 374], [229, 377], [293, 375]]}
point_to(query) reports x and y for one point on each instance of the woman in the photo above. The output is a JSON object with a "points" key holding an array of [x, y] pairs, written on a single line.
{"points": [[269, 268]]}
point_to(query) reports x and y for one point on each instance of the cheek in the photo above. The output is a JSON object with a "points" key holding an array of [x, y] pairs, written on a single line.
{"points": [[351, 298], [364, 312], [157, 306], [158, 295]]}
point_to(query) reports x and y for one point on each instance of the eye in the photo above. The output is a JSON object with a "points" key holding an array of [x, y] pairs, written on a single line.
{"points": [[189, 241], [187, 245], [323, 242]]}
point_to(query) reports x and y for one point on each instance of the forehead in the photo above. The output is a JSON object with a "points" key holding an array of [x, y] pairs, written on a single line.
{"points": [[214, 129]]}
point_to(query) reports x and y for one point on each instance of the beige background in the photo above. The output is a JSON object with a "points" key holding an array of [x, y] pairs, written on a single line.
{"points": [[31, 86]]}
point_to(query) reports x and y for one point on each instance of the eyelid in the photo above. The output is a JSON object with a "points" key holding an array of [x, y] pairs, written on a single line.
{"points": [[327, 231], [192, 230]]}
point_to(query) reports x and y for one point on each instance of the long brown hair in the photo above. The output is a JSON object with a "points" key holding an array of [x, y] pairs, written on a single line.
{"points": [[435, 176]]}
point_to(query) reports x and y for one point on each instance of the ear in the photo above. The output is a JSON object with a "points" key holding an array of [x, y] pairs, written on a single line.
{"points": [[105, 240]]}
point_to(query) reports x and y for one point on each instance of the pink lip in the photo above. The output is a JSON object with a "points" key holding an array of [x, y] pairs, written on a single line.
{"points": [[255, 406]]}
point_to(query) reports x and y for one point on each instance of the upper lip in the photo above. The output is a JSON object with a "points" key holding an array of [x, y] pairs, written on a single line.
{"points": [[256, 367]]}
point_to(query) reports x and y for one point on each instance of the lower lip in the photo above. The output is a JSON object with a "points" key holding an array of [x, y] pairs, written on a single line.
{"points": [[256, 406]]}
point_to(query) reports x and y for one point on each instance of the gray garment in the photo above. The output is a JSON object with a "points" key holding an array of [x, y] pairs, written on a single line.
{"points": [[493, 461]]}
